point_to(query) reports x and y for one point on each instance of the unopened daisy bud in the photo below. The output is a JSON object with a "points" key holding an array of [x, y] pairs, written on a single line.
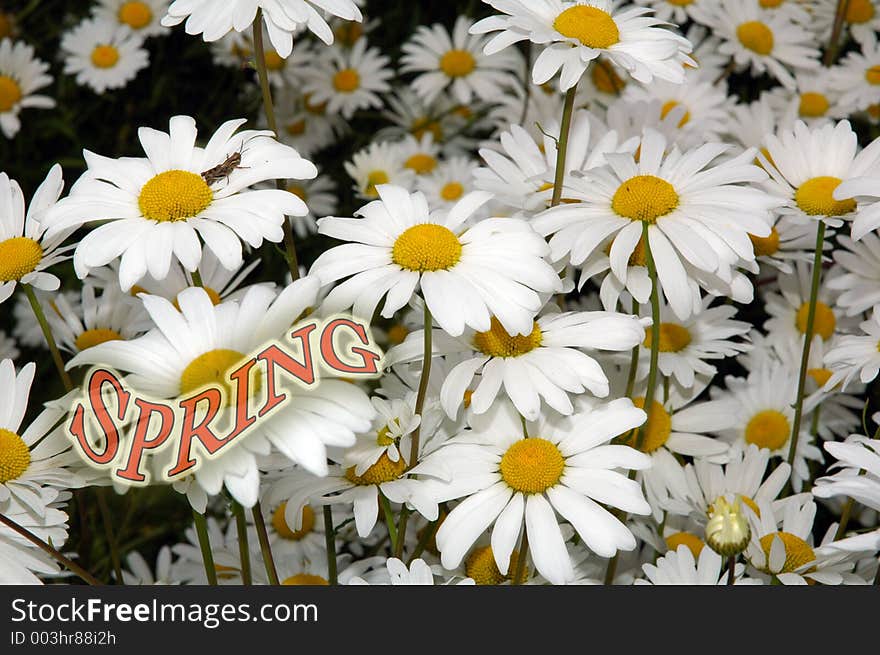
{"points": [[727, 531]]}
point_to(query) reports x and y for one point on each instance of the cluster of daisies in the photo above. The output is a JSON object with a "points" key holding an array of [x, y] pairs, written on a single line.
{"points": [[622, 258]]}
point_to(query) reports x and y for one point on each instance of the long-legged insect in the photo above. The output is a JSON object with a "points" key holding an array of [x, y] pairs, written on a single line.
{"points": [[224, 170]]}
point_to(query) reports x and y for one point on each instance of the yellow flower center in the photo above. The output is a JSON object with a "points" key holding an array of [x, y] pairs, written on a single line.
{"points": [[305, 579], [813, 105], [421, 163], [105, 56], [213, 295], [797, 551], [756, 36], [346, 80], [211, 368], [591, 26], [680, 3], [15, 456], [298, 191], [274, 61], [426, 247], [673, 338], [823, 323], [135, 14], [93, 337], [10, 93], [383, 436], [457, 63], [873, 75], [532, 465], [397, 333], [820, 375], [874, 110], [226, 572], [692, 541], [384, 470], [766, 246], [814, 197], [468, 397], [605, 78], [296, 128], [348, 32], [657, 429], [285, 531], [770, 4], [480, 566], [374, 178], [496, 342], [644, 198], [422, 126], [669, 106], [768, 429], [859, 11], [18, 257], [174, 196], [318, 109], [451, 191]]}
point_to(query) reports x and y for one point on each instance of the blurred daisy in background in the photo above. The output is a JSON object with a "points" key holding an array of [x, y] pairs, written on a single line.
{"points": [[377, 164], [141, 16], [103, 55], [21, 74]]}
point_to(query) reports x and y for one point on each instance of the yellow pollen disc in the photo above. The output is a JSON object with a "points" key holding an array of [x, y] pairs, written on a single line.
{"points": [[770, 4], [384, 470], [93, 337], [10, 93], [426, 247], [174, 196], [873, 75], [5, 25], [347, 80], [136, 15], [226, 572], [813, 105], [859, 11], [820, 375], [692, 541], [374, 178], [348, 32], [421, 163], [496, 342], [296, 128], [480, 566], [15, 456], [105, 56], [768, 429], [756, 37], [457, 63], [766, 246], [644, 198], [320, 109], [814, 197], [274, 61], [451, 191], [383, 438], [751, 504], [285, 531], [673, 338], [305, 579], [669, 106], [797, 551], [606, 79], [423, 126], [591, 26], [532, 465], [873, 111], [638, 255], [397, 333], [213, 295], [298, 191], [468, 398], [211, 368], [680, 3], [18, 257], [657, 430], [823, 323]]}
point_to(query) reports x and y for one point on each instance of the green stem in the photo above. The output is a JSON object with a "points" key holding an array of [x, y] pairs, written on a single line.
{"points": [[731, 569], [265, 546], [562, 145], [429, 531], [844, 519], [106, 519], [834, 41], [47, 332], [808, 341], [633, 359], [330, 545], [205, 544], [197, 278], [519, 574], [52, 552], [389, 519], [244, 553], [263, 74], [655, 336]]}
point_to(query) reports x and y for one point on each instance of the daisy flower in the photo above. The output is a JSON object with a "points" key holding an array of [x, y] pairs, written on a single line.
{"points": [[862, 19], [768, 42], [678, 567], [282, 18], [418, 573], [26, 250], [26, 328], [862, 188], [859, 285], [394, 423], [790, 241], [301, 535], [158, 208], [694, 212], [141, 16], [348, 80], [304, 124], [419, 155], [139, 572], [813, 100], [199, 343], [676, 11], [448, 183], [858, 474], [856, 355], [806, 167], [576, 33], [377, 164], [749, 124], [21, 74], [546, 364], [510, 472], [467, 275], [38, 463], [20, 561], [103, 54], [454, 62]]}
